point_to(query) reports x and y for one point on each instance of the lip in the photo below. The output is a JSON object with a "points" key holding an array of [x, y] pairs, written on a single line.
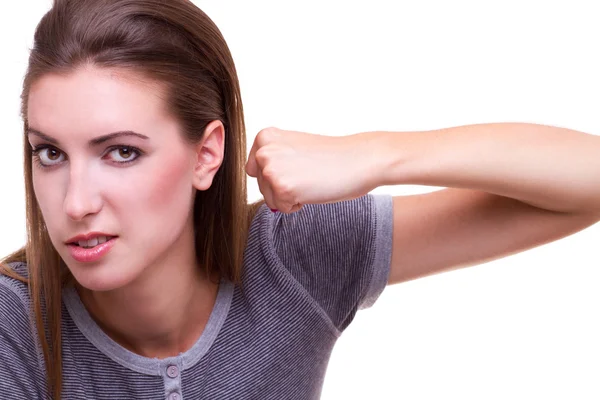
{"points": [[95, 253], [88, 236]]}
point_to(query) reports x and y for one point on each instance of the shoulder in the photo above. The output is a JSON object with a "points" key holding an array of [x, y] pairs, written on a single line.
{"points": [[21, 365], [16, 322], [339, 253], [335, 230], [363, 213], [15, 289], [15, 302]]}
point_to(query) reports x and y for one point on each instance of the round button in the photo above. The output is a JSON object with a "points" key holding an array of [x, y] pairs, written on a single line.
{"points": [[174, 396], [172, 372]]}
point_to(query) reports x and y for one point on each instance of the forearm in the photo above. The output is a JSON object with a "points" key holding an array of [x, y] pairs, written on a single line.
{"points": [[548, 167]]}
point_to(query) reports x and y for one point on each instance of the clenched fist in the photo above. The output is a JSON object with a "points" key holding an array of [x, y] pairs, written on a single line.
{"points": [[296, 168]]}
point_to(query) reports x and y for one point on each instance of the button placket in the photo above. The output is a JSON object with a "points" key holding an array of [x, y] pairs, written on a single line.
{"points": [[173, 371], [174, 396]]}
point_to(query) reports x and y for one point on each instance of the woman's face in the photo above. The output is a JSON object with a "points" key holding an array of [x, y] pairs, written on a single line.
{"points": [[110, 164]]}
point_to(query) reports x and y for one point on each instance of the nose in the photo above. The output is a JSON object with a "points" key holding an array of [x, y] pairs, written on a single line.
{"points": [[82, 197]]}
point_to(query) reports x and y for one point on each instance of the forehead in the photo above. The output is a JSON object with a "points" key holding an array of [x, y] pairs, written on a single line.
{"points": [[94, 100]]}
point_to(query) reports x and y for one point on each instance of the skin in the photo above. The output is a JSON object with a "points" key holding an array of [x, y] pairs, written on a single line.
{"points": [[143, 292], [498, 201]]}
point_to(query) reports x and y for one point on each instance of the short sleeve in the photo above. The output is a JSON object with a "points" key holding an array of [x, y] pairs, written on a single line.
{"points": [[21, 376], [340, 253]]}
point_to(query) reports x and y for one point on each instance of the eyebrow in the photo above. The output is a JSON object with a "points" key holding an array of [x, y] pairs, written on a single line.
{"points": [[93, 142]]}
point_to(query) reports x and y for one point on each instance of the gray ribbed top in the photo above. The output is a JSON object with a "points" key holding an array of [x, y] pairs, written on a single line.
{"points": [[305, 276]]}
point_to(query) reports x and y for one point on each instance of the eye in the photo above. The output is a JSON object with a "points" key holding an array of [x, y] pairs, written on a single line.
{"points": [[123, 154], [48, 156]]}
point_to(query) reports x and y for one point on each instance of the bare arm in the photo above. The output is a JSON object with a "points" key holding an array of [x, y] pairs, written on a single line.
{"points": [[512, 187]]}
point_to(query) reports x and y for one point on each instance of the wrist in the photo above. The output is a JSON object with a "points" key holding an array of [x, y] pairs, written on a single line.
{"points": [[387, 158]]}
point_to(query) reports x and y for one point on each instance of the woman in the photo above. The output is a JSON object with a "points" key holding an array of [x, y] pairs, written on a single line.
{"points": [[172, 286]]}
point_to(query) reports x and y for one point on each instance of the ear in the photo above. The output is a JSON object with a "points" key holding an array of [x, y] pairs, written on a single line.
{"points": [[210, 152]]}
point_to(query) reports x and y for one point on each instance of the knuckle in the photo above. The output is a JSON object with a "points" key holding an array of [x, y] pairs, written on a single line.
{"points": [[269, 174], [261, 156], [267, 134], [286, 190]]}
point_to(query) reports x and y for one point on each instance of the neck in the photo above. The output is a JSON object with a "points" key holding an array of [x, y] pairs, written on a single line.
{"points": [[162, 313]]}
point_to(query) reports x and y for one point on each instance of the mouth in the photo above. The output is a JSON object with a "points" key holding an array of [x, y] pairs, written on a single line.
{"points": [[91, 243], [91, 249], [90, 240]]}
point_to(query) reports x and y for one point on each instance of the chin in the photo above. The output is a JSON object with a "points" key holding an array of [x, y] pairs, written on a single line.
{"points": [[102, 278]]}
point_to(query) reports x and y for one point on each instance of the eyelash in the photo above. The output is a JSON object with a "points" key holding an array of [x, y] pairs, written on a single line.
{"points": [[36, 151]]}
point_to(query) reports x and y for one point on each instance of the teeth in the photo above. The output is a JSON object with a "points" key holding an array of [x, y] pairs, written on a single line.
{"points": [[92, 242]]}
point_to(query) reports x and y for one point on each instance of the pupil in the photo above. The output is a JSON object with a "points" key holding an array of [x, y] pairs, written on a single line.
{"points": [[125, 153], [53, 155]]}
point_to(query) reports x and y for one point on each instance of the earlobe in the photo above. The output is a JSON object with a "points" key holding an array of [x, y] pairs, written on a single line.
{"points": [[210, 152]]}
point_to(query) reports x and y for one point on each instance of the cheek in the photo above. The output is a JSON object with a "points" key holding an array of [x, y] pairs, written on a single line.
{"points": [[160, 202], [165, 188], [49, 193]]}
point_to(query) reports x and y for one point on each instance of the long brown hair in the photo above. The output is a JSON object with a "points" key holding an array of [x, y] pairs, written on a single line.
{"points": [[172, 42]]}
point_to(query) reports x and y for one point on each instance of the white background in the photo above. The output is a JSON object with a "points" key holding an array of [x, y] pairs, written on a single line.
{"points": [[524, 327]]}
